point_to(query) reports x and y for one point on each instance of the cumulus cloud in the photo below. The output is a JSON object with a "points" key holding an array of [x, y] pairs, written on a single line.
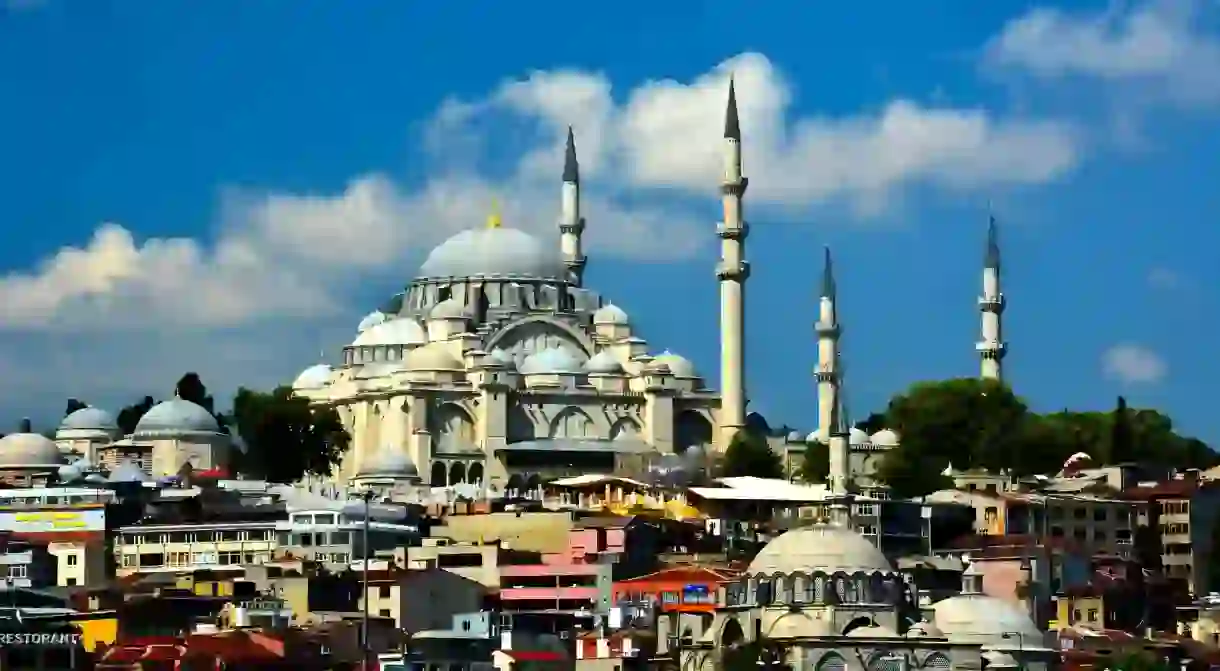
{"points": [[1130, 363], [1162, 47]]}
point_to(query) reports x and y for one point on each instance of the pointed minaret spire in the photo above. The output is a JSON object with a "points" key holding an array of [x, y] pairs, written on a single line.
{"points": [[992, 258], [732, 126], [571, 224], [571, 167], [828, 275], [732, 272], [991, 347]]}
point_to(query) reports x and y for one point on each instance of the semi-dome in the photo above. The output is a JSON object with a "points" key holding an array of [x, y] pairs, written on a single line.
{"points": [[494, 251], [432, 357], [604, 362], [400, 331], [991, 621], [924, 629], [450, 308], [89, 419], [610, 314], [857, 436], [502, 358], [314, 377], [820, 547], [558, 359], [885, 438], [23, 450], [175, 417], [679, 366], [390, 462], [370, 320]]}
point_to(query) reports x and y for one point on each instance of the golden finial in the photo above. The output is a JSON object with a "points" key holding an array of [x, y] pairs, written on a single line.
{"points": [[493, 219]]}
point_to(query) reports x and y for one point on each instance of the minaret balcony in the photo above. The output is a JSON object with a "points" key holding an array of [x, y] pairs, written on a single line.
{"points": [[573, 228], [825, 375], [735, 188], [992, 350], [992, 303], [733, 272], [827, 330], [735, 232]]}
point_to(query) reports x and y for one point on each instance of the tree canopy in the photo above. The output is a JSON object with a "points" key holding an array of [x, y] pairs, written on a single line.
{"points": [[977, 423], [130, 415], [285, 437], [749, 454], [74, 405], [815, 465]]}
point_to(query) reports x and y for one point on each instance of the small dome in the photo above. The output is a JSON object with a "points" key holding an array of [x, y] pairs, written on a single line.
{"points": [[175, 417], [450, 308], [560, 359], [610, 314], [925, 629], [499, 356], [27, 450], [390, 462], [679, 366], [70, 473], [820, 547], [872, 631], [885, 438], [818, 436], [503, 252], [89, 420], [370, 320], [399, 331], [314, 377], [603, 362], [991, 621], [857, 436], [432, 357]]}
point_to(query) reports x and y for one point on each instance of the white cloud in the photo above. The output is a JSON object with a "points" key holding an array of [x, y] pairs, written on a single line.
{"points": [[1162, 47], [1130, 363], [1164, 278]]}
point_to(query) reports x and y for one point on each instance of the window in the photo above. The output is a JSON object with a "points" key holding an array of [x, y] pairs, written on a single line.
{"points": [[70, 582], [385, 591], [72, 559], [1092, 615], [1099, 514], [385, 612], [1057, 532], [17, 571], [1079, 513], [1075, 615], [1099, 536]]}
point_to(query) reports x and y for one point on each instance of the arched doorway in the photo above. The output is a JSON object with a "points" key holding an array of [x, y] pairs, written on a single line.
{"points": [[474, 474], [439, 476], [457, 473], [691, 429]]}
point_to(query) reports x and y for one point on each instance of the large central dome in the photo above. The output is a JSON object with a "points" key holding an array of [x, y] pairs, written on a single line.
{"points": [[503, 252]]}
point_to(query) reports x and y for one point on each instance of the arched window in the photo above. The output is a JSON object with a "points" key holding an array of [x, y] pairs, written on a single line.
{"points": [[886, 662], [841, 589], [783, 589], [818, 585], [853, 591], [832, 662], [936, 661]]}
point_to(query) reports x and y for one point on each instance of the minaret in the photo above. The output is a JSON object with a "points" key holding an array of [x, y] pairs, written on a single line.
{"points": [[840, 475], [992, 347], [828, 331], [732, 272], [571, 224]]}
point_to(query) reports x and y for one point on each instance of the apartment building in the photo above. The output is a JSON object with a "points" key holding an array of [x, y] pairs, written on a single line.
{"points": [[151, 548], [69, 522], [336, 538], [1182, 514]]}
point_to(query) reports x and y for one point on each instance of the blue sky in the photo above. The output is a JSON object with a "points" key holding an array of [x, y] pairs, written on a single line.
{"points": [[227, 187]]}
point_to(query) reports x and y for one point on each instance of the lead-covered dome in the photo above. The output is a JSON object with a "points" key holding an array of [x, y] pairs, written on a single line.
{"points": [[610, 314], [678, 365], [400, 331], [432, 357], [988, 620], [91, 421], [391, 463], [503, 252], [604, 362], [26, 450], [820, 547], [314, 377], [559, 359], [176, 417]]}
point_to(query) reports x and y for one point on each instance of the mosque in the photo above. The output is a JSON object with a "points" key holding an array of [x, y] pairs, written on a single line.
{"points": [[498, 366]]}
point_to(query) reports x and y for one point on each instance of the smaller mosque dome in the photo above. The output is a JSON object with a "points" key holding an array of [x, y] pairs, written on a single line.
{"points": [[857, 436], [450, 308], [432, 357], [610, 314], [819, 547], [89, 420], [872, 631], [679, 366], [925, 629], [27, 450], [176, 416], [494, 251], [390, 462], [370, 320], [603, 362], [795, 437], [400, 331], [127, 471], [885, 438], [501, 357], [560, 359], [314, 377]]}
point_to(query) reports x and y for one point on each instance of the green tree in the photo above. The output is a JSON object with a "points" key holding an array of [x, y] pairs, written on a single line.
{"points": [[285, 436], [73, 406], [749, 454], [191, 388], [815, 463], [130, 415], [908, 473], [1122, 441], [873, 423]]}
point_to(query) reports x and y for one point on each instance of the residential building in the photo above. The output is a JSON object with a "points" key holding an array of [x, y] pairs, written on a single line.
{"points": [[418, 600], [335, 538], [145, 548], [1182, 512], [687, 589], [70, 522], [477, 562]]}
